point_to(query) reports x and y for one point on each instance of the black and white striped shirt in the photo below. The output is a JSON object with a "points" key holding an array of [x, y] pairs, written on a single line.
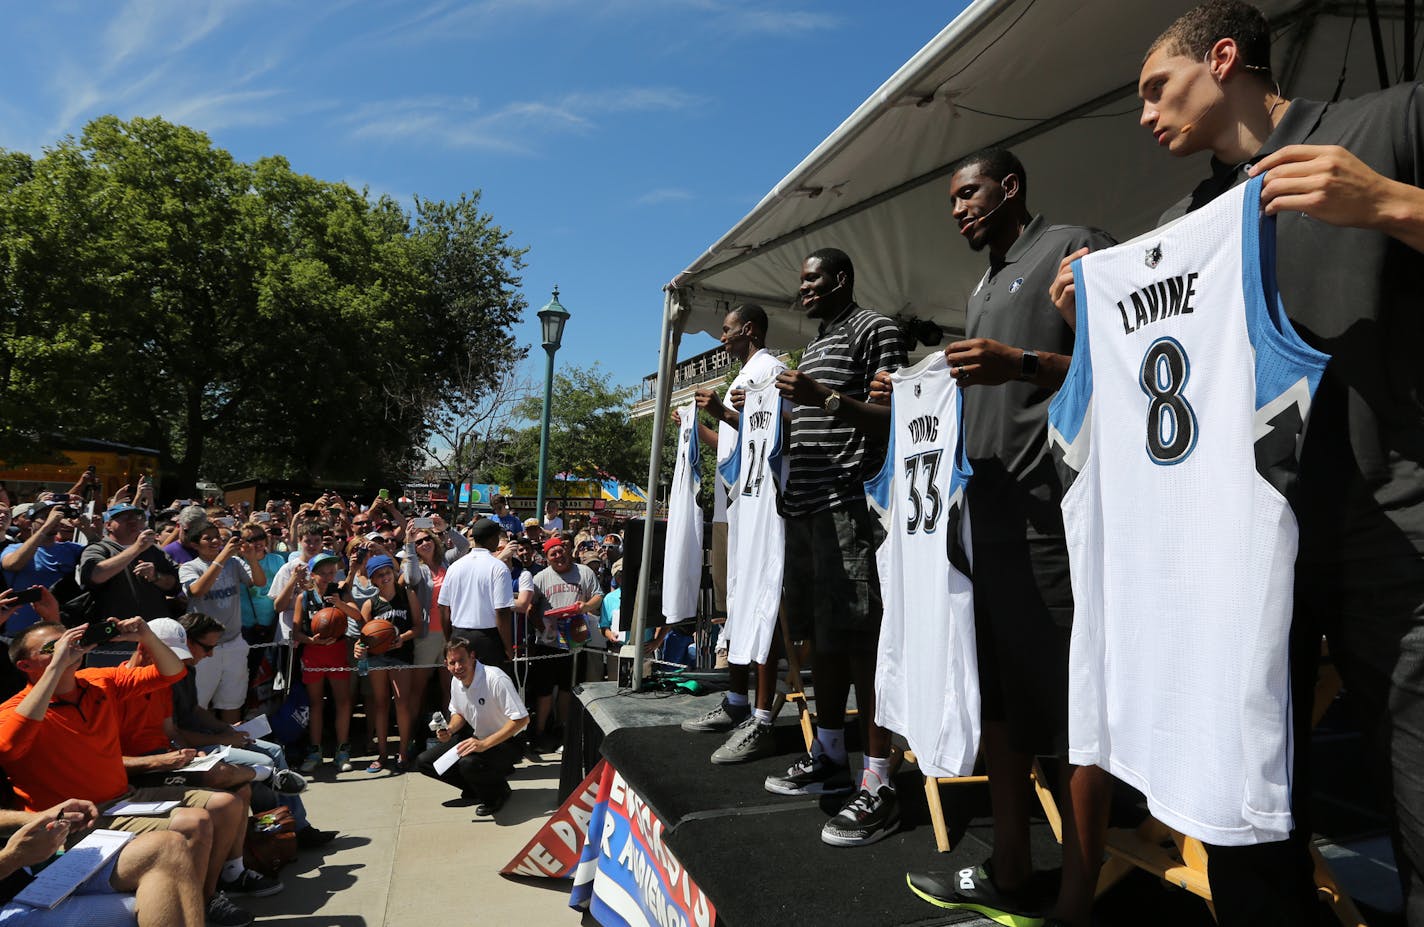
{"points": [[830, 458]]}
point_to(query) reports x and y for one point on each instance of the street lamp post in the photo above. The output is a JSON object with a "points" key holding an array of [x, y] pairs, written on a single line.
{"points": [[552, 318]]}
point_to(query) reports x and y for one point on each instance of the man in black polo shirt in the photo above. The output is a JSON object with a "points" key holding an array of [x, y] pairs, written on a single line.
{"points": [[1344, 180], [832, 595], [127, 573], [1014, 357]]}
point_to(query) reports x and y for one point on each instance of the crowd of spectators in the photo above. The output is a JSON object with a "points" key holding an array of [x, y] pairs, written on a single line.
{"points": [[140, 638]]}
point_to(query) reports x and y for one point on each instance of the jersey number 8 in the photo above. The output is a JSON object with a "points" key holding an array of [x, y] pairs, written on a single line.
{"points": [[1171, 421]]}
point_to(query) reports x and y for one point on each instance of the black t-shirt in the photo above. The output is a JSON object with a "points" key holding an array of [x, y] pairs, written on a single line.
{"points": [[185, 706], [1359, 296], [397, 612], [1015, 492], [126, 595]]}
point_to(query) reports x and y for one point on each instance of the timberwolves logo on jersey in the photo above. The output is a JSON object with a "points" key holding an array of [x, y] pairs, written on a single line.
{"points": [[1154, 256]]}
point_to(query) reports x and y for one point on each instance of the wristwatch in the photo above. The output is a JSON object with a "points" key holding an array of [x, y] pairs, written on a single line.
{"points": [[1028, 366], [832, 403]]}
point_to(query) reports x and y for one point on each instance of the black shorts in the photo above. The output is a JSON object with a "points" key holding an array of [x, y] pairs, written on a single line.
{"points": [[554, 671], [1023, 618], [831, 590], [487, 646]]}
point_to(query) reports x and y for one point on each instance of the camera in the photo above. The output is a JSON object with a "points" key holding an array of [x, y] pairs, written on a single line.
{"points": [[29, 596], [99, 632]]}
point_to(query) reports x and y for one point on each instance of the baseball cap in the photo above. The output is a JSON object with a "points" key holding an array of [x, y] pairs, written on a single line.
{"points": [[552, 543], [23, 508], [378, 562], [325, 556], [612, 539], [121, 509], [173, 634], [617, 566]]}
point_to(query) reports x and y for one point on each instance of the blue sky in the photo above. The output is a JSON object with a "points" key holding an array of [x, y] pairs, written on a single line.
{"points": [[616, 139]]}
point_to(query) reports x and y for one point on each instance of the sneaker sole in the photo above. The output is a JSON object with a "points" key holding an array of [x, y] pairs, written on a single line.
{"points": [[697, 727], [777, 788], [724, 759], [994, 914], [831, 838], [260, 893]]}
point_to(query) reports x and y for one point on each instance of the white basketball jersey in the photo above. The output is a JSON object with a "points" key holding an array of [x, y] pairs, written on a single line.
{"points": [[926, 673], [682, 557], [759, 366], [1178, 426], [756, 535]]}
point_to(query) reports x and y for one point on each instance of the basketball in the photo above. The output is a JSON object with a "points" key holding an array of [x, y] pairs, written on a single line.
{"points": [[328, 625], [379, 635]]}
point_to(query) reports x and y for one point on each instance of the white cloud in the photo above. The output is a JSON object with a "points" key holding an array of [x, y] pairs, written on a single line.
{"points": [[513, 127], [663, 195], [451, 19]]}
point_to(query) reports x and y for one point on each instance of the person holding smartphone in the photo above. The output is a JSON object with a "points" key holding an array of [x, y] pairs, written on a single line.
{"points": [[215, 582], [42, 560]]}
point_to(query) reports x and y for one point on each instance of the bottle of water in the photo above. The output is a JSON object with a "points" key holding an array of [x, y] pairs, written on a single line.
{"points": [[363, 666]]}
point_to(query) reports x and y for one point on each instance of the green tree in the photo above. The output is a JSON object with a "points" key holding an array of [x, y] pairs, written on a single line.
{"points": [[244, 319], [590, 432]]}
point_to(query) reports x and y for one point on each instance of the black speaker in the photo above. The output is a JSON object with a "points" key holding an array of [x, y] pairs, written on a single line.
{"points": [[633, 560]]}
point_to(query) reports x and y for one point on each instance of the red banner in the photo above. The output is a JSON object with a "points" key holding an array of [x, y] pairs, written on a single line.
{"points": [[554, 851]]}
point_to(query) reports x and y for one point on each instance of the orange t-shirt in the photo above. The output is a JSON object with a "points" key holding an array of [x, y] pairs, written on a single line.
{"points": [[74, 751], [141, 720]]}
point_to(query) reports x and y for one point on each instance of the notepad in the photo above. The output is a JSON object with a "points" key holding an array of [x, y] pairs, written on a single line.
{"points": [[130, 809], [204, 763], [59, 879], [256, 728], [445, 760]]}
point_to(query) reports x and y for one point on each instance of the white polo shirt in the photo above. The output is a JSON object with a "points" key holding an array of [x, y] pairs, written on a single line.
{"points": [[475, 586], [489, 703]]}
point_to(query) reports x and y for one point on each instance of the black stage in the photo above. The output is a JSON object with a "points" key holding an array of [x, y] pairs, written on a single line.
{"points": [[759, 857]]}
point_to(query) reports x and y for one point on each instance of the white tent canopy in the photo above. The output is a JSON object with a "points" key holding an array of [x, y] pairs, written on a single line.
{"points": [[1055, 80]]}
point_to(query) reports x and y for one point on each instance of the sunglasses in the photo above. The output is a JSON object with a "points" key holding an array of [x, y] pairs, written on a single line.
{"points": [[48, 648], [426, 541], [200, 645]]}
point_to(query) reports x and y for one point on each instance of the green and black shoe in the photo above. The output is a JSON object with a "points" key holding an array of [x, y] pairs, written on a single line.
{"points": [[972, 889]]}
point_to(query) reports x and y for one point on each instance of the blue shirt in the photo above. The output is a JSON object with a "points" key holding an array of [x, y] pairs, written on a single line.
{"points": [[257, 608], [49, 565]]}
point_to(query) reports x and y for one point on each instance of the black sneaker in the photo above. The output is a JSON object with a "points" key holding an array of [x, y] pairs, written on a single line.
{"points": [[309, 838], [865, 819], [813, 774], [720, 719], [222, 912], [972, 889], [251, 883]]}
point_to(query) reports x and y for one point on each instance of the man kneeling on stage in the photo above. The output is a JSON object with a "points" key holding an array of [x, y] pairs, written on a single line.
{"points": [[485, 713]]}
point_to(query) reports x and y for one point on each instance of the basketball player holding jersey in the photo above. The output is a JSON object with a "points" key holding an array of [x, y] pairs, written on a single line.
{"points": [[1016, 355], [1344, 181], [744, 336]]}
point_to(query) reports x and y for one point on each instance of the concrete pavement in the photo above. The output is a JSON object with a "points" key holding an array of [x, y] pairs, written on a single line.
{"points": [[413, 854]]}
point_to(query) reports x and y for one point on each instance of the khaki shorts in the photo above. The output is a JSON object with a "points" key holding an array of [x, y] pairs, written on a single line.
{"points": [[719, 567], [146, 823], [430, 648]]}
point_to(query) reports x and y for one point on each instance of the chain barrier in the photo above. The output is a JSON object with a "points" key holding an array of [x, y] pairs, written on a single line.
{"points": [[377, 669]]}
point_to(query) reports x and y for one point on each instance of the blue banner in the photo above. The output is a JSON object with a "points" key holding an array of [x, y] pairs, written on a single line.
{"points": [[627, 876]]}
